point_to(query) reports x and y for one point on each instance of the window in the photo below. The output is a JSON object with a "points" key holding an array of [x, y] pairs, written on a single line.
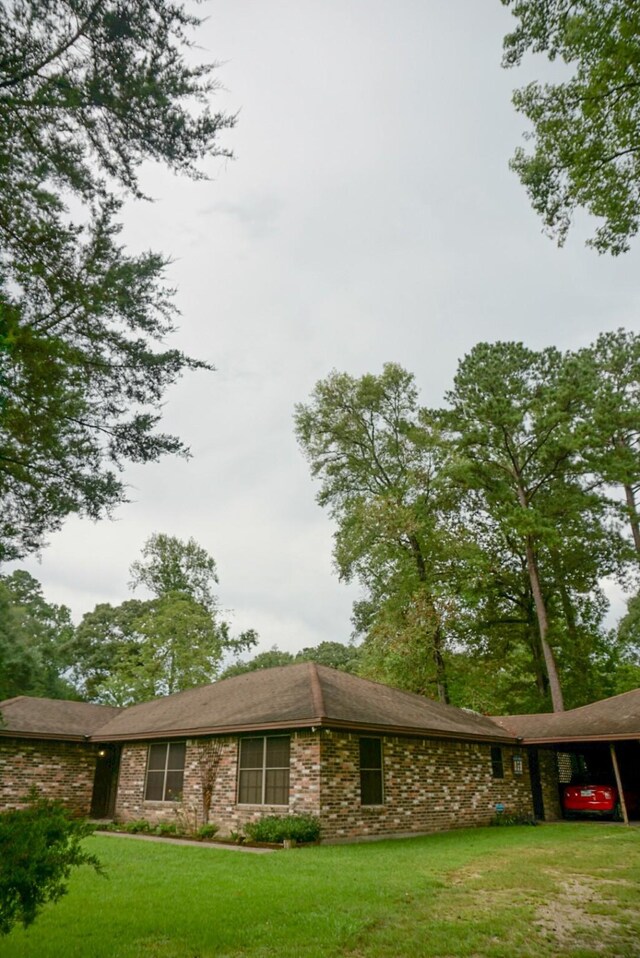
{"points": [[371, 792], [165, 772], [497, 765], [263, 774]]}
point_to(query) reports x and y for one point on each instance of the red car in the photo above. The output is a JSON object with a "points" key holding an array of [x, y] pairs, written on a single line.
{"points": [[600, 800]]}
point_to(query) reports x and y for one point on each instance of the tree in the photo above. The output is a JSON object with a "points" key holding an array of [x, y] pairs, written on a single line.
{"points": [[514, 416], [174, 641], [335, 655], [88, 92], [611, 434], [171, 565], [33, 636], [270, 659], [39, 846], [379, 468], [627, 648], [586, 130], [106, 638]]}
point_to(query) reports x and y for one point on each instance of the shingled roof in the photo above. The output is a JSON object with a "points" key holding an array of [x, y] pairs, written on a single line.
{"points": [[296, 696], [613, 719], [28, 717]]}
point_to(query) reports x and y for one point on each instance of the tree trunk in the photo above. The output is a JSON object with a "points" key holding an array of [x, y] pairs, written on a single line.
{"points": [[539, 669], [541, 611], [633, 516], [543, 627], [438, 638]]}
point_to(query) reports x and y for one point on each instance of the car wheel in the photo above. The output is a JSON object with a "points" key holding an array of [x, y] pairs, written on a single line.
{"points": [[617, 813]]}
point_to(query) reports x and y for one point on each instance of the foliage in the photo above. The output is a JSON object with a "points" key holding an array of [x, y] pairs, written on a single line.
{"points": [[177, 640], [380, 471], [166, 829], [170, 565], [482, 532], [586, 129], [207, 832], [136, 827], [506, 818], [335, 655], [279, 828], [39, 846], [88, 92], [270, 659], [33, 634]]}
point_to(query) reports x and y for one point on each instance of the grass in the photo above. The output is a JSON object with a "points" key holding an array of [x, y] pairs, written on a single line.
{"points": [[559, 890]]}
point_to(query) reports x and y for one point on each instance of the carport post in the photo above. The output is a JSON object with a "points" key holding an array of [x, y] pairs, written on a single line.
{"points": [[623, 804]]}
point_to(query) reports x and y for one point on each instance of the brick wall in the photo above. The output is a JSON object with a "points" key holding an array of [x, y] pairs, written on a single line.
{"points": [[304, 787], [429, 785], [59, 770]]}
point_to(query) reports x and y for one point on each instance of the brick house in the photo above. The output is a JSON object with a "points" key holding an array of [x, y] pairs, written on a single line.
{"points": [[367, 759]]}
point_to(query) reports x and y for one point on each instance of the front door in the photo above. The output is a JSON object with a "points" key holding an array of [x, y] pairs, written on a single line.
{"points": [[105, 781]]}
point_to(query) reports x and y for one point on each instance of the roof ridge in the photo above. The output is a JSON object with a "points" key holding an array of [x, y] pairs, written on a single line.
{"points": [[316, 691]]}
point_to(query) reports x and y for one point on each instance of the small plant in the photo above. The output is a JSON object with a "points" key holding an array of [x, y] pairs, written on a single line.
{"points": [[187, 818], [39, 845], [280, 828], [139, 825], [166, 829], [515, 818], [236, 837], [207, 831]]}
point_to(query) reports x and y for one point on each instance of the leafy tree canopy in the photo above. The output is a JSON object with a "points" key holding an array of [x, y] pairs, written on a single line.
{"points": [[586, 129], [33, 636], [176, 640], [88, 91], [482, 532]]}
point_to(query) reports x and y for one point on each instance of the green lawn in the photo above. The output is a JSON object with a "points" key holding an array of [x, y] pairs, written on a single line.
{"points": [[558, 890]]}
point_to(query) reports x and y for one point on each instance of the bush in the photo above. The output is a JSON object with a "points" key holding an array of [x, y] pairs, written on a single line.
{"points": [[513, 819], [139, 825], [166, 828], [278, 828], [207, 831], [39, 845]]}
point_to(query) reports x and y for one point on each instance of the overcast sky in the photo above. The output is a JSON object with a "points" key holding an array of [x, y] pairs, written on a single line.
{"points": [[369, 216]]}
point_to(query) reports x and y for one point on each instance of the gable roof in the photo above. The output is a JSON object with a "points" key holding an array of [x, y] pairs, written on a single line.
{"points": [[29, 717], [303, 695], [612, 719]]}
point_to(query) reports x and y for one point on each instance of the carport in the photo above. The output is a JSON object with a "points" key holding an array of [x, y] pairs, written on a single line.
{"points": [[598, 743]]}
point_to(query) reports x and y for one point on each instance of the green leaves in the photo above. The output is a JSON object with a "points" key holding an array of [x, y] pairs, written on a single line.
{"points": [[481, 532], [88, 92], [39, 846], [176, 640], [586, 131]]}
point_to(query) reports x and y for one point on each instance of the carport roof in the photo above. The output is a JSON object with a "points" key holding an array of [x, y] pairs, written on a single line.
{"points": [[609, 720]]}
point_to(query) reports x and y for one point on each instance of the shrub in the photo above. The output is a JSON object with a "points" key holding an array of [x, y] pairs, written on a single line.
{"points": [[139, 825], [513, 819], [207, 831], [166, 828], [277, 828], [39, 845]]}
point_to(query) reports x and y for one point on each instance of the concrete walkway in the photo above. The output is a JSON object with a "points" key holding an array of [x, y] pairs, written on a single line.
{"points": [[189, 841]]}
